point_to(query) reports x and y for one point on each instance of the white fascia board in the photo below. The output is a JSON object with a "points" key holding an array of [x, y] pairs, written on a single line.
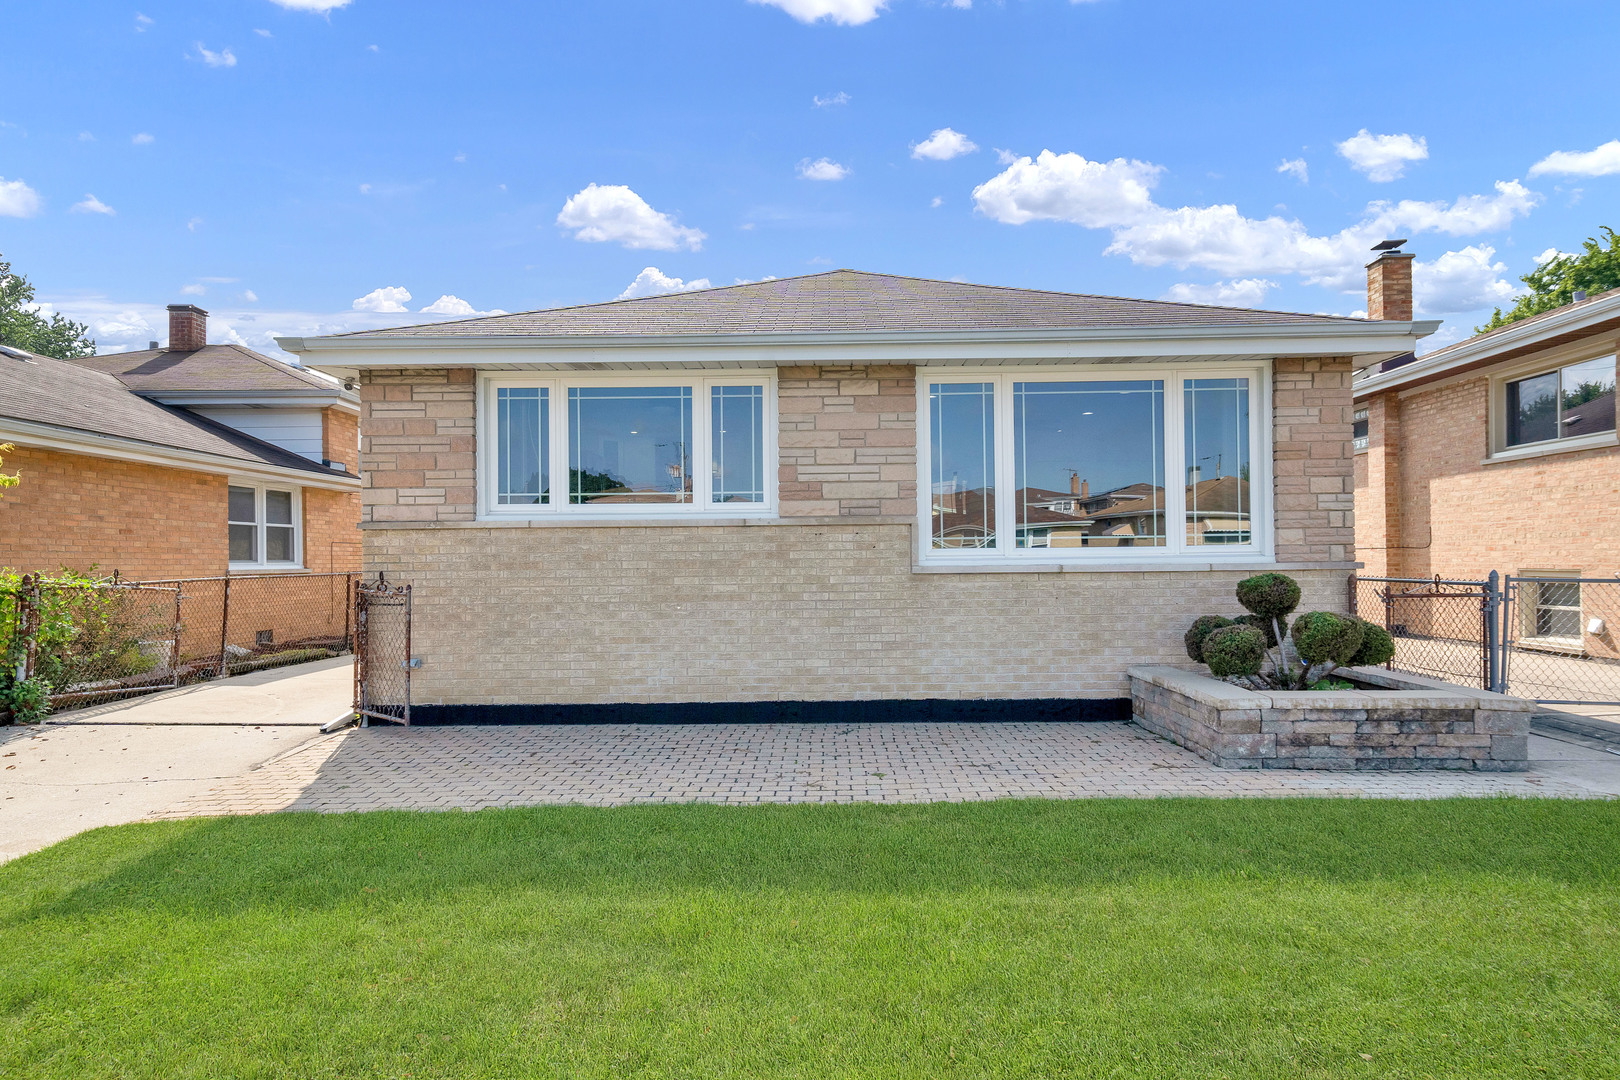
{"points": [[268, 399], [1465, 353], [1372, 339], [32, 435]]}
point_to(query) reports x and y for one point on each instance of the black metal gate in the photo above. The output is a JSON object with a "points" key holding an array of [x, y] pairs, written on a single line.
{"points": [[382, 651], [1442, 629]]}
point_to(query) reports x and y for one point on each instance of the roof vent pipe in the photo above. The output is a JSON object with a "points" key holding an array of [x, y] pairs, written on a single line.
{"points": [[1580, 294], [151, 344]]}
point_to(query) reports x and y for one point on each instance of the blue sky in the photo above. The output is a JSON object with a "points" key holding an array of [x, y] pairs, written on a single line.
{"points": [[282, 161]]}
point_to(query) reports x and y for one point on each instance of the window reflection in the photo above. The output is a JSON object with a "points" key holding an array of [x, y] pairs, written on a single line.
{"points": [[962, 423], [525, 456], [1573, 401], [1088, 460], [630, 444], [1217, 448], [737, 425]]}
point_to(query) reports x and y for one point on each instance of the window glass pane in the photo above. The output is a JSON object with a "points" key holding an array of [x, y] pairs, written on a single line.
{"points": [[278, 544], [241, 505], [523, 472], [1217, 467], [737, 426], [962, 436], [1532, 409], [278, 507], [242, 543], [1588, 398], [1558, 609], [630, 444], [1088, 458], [1359, 429]]}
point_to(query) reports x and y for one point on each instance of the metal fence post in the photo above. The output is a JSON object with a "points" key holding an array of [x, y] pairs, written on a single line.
{"points": [[224, 624], [1491, 614]]}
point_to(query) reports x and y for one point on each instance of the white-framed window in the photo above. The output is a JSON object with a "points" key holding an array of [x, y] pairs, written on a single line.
{"points": [[627, 445], [1359, 429], [1550, 608], [1566, 402], [1098, 464], [264, 522]]}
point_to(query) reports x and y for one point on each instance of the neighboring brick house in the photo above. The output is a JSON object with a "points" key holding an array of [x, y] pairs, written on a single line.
{"points": [[191, 461], [757, 494], [1500, 453]]}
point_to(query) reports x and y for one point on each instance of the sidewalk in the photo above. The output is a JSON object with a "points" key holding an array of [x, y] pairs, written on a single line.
{"points": [[127, 761]]}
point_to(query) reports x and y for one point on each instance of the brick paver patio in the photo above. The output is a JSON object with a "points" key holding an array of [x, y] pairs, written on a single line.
{"points": [[476, 767]]}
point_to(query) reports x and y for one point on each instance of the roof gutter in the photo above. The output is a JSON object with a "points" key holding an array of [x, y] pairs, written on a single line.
{"points": [[1479, 350], [29, 433]]}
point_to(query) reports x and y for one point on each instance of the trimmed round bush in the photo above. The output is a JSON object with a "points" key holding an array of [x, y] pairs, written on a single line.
{"points": [[1377, 647], [1265, 626], [1270, 596], [1234, 650], [1202, 627], [1322, 637]]}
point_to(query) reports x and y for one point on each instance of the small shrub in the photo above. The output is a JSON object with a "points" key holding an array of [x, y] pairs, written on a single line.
{"points": [[1266, 626], [1377, 647], [1202, 627], [1270, 596], [1321, 637], [1234, 651], [1331, 684]]}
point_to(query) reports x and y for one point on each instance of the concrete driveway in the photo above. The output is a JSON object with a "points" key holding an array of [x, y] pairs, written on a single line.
{"points": [[127, 761]]}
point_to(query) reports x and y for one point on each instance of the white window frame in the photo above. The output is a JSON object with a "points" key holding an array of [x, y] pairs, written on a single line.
{"points": [[1546, 363], [1176, 550], [557, 385], [261, 525]]}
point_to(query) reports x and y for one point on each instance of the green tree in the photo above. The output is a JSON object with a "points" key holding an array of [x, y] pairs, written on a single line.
{"points": [[1554, 282], [22, 327]]}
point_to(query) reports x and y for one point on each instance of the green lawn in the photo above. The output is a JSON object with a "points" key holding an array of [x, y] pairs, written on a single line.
{"points": [[1169, 938]]}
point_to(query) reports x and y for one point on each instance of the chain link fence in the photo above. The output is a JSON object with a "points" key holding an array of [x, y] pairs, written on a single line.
{"points": [[383, 663], [75, 642], [1441, 628]]}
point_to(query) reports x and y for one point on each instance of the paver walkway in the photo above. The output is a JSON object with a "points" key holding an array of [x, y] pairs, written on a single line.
{"points": [[476, 767]]}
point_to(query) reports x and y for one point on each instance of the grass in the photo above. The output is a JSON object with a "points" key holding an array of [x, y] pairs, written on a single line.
{"points": [[1168, 938]]}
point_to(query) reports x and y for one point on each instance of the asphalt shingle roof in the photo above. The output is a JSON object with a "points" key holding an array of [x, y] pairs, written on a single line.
{"points": [[212, 367], [853, 301], [71, 396]]}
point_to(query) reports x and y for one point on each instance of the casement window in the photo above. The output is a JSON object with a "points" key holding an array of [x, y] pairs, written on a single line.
{"points": [[1359, 429], [1096, 465], [631, 445], [1569, 402], [263, 523]]}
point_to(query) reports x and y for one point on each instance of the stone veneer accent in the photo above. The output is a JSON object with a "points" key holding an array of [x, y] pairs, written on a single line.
{"points": [[1311, 408], [418, 445], [1405, 722], [848, 441]]}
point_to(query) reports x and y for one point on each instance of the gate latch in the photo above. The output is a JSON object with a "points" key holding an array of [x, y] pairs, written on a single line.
{"points": [[413, 663]]}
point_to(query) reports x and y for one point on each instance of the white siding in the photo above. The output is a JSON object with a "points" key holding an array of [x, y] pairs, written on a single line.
{"points": [[298, 430]]}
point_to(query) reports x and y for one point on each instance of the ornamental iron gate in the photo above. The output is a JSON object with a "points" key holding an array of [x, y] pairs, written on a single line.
{"points": [[382, 651], [1549, 638]]}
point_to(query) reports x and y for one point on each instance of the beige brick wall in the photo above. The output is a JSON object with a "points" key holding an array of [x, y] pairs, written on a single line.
{"points": [[791, 612], [418, 437], [340, 437], [1314, 467], [848, 441]]}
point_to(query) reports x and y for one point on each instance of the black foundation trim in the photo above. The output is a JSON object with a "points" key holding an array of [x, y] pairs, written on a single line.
{"points": [[903, 711]]}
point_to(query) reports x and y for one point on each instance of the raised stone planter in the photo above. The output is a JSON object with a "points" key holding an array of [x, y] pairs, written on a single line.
{"points": [[1391, 721]]}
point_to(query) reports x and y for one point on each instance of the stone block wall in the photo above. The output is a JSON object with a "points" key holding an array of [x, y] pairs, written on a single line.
{"points": [[418, 445], [848, 441], [1312, 460]]}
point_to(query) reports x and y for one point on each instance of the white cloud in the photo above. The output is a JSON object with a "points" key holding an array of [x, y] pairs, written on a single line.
{"points": [[460, 157], [839, 98], [1465, 280], [250, 296], [1553, 253], [373, 48], [85, 136], [822, 169], [842, 12], [92, 205], [142, 22], [1383, 157], [1117, 195], [1296, 168], [612, 213], [365, 189], [142, 139], [320, 7], [1603, 161], [1244, 292], [192, 290], [1067, 187], [263, 33], [1005, 157], [387, 300], [17, 199], [223, 58], [457, 307], [654, 282], [937, 202], [943, 145], [191, 226]]}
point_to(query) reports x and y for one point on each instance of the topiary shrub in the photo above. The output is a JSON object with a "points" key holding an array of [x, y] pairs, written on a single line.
{"points": [[1234, 651], [1202, 627], [1377, 647], [1321, 637], [1266, 626], [1271, 596]]}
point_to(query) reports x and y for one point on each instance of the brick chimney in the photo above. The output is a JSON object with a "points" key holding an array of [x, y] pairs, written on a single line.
{"points": [[1389, 283], [188, 327]]}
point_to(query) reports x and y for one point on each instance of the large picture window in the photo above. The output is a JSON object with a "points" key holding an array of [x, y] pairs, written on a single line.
{"points": [[647, 444], [1093, 465], [1567, 403]]}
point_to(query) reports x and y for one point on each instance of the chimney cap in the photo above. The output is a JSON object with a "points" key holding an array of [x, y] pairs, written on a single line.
{"points": [[1389, 246], [193, 308]]}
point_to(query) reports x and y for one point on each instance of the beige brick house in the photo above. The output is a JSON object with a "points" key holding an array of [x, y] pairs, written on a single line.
{"points": [[844, 487]]}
